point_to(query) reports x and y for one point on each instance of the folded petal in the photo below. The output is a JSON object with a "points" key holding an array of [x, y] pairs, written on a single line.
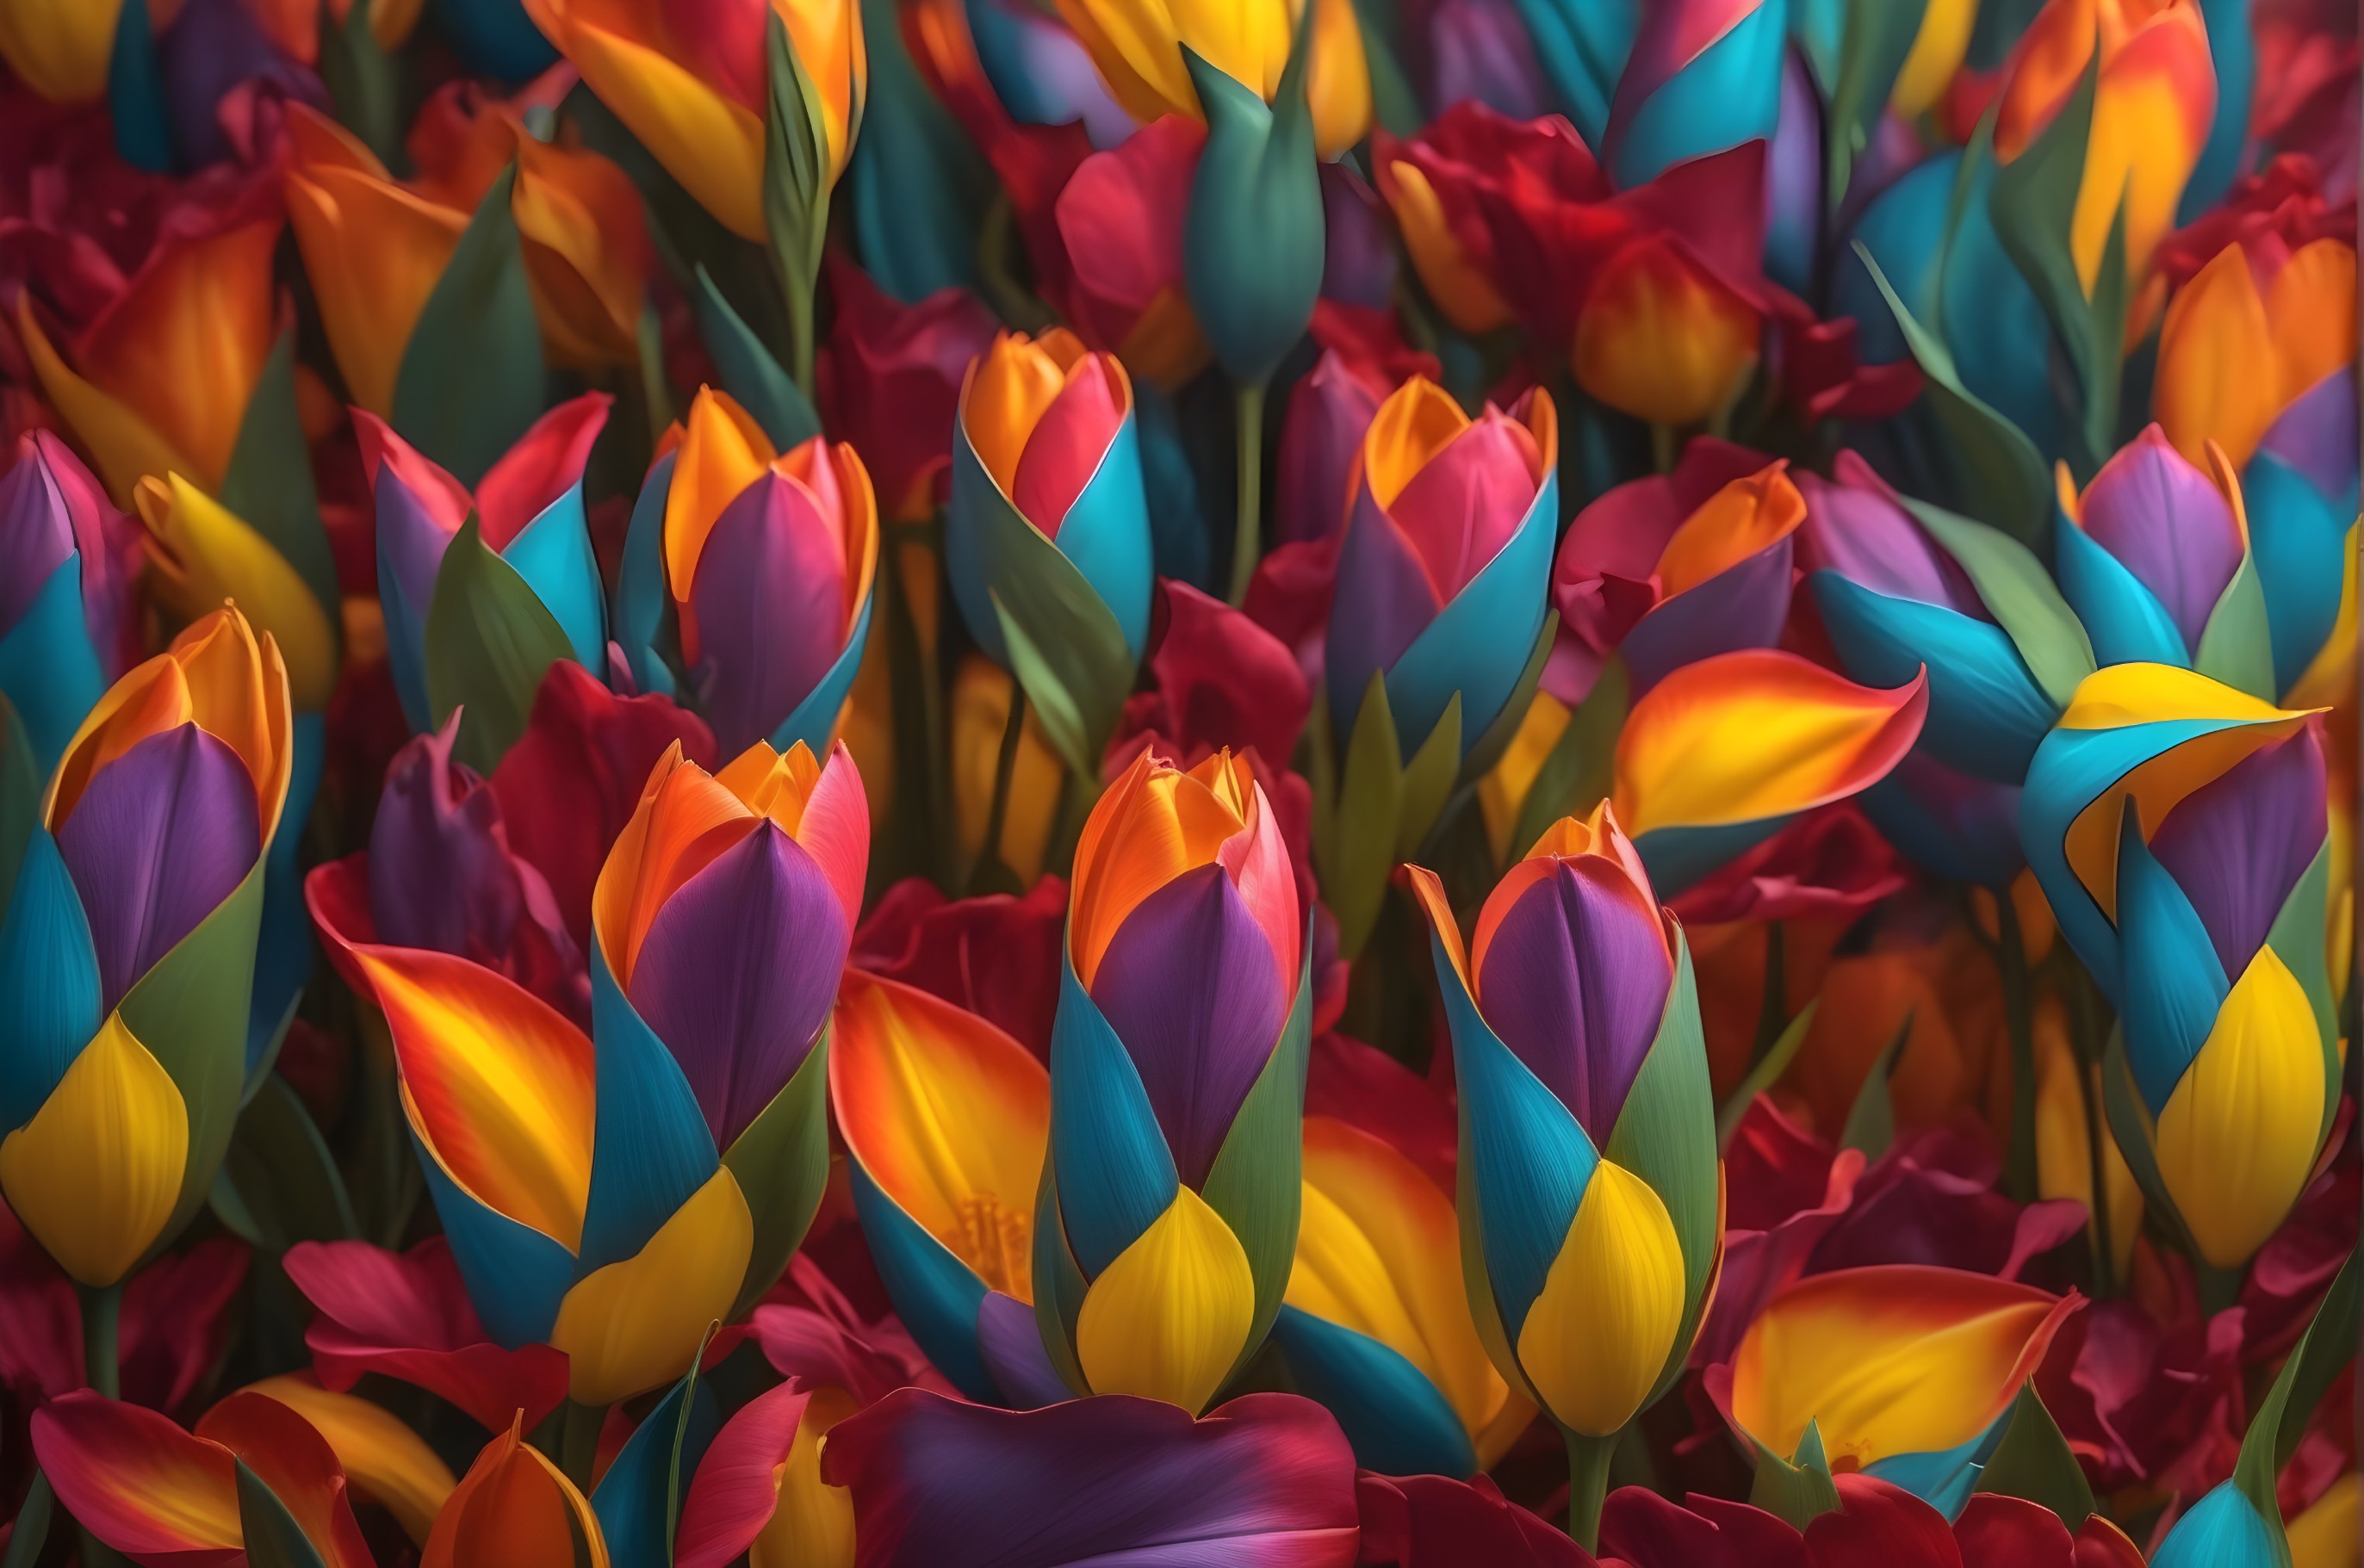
{"points": [[545, 464], [2239, 844], [514, 1506], [2170, 524], [140, 1484], [386, 1461], [287, 1454], [767, 598], [637, 1324], [737, 1488], [1069, 440], [1169, 1316], [1596, 1340]]}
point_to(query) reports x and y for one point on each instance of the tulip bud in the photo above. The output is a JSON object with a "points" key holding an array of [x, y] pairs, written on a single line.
{"points": [[2258, 327], [1704, 75], [512, 1503], [1177, 1079], [2169, 544], [68, 560], [1139, 46], [1330, 411], [1661, 338], [130, 947]]}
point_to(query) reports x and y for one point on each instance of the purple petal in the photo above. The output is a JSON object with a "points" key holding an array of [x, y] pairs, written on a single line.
{"points": [[2169, 525], [1574, 980], [1012, 1344], [1480, 49], [769, 599], [1358, 262], [36, 533], [2237, 845], [161, 837], [1382, 603], [1855, 527], [213, 48], [1266, 1480], [411, 541], [1328, 412], [1741, 608], [738, 972], [1191, 987], [2316, 435]]}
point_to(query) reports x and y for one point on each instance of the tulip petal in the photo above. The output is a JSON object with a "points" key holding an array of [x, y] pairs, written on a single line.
{"points": [[1169, 1316], [206, 556], [637, 1324], [2125, 621], [1744, 605], [2299, 537], [137, 1481], [2177, 981], [49, 669], [1009, 1340], [768, 596], [386, 1461], [553, 556], [936, 1293], [736, 1489], [652, 1148], [515, 1508], [1397, 1420], [123, 445], [49, 1002], [290, 1457], [714, 147], [2239, 845], [1069, 442], [639, 1491], [1113, 1171], [98, 1171], [1381, 602], [2224, 1529], [1595, 1339]]}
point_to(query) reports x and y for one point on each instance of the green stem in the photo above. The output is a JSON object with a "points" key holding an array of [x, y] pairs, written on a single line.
{"points": [[102, 1313], [1773, 1000], [32, 1531], [1588, 1484], [657, 392], [800, 329], [1005, 767], [2011, 957], [2086, 1034], [1247, 541], [578, 1443], [1662, 448]]}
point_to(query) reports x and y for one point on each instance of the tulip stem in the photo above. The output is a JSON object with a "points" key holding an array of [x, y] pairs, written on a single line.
{"points": [[578, 1441], [1005, 768], [1247, 538], [2010, 958], [32, 1531], [102, 1313], [2088, 1052], [1588, 1484]]}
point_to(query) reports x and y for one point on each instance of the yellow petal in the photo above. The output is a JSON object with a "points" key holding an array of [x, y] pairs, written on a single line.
{"points": [[1170, 1314], [1338, 84], [1135, 43], [1596, 1337], [206, 555], [1502, 792], [2064, 1114], [98, 1170], [980, 712], [375, 252], [1005, 397], [812, 1526], [2217, 378], [1936, 54], [59, 47], [386, 1461], [2155, 102], [1660, 339], [1459, 289], [711, 145], [723, 450], [2238, 1137], [2324, 1536], [636, 1324], [2312, 303], [123, 447]]}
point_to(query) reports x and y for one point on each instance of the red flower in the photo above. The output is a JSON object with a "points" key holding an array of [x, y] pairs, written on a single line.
{"points": [[891, 382]]}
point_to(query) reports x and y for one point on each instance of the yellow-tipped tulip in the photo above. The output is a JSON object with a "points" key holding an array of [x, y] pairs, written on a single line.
{"points": [[1138, 44]]}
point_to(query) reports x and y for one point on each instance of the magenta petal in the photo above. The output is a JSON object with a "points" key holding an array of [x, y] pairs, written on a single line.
{"points": [[1068, 445], [546, 463], [1645, 1531], [1191, 986], [2169, 525], [1574, 980], [1381, 604], [2237, 845], [738, 972], [737, 1488], [769, 599], [411, 538], [1461, 508], [161, 837], [1435, 1521], [1264, 1482]]}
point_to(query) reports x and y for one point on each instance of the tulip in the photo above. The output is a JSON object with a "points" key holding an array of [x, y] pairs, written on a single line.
{"points": [[67, 623], [947, 1196], [1451, 247], [528, 509], [1704, 75], [514, 1506], [758, 1496], [386, 1463], [690, 81], [704, 1043], [2260, 327], [1139, 46], [1330, 411], [1178, 1074], [2223, 1529], [1667, 570], [1121, 217], [1048, 533], [141, 1485], [1903, 1372], [2179, 828], [1375, 1324], [2154, 101], [1663, 338], [128, 950], [893, 385]]}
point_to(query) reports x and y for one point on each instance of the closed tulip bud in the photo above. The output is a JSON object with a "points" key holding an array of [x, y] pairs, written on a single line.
{"points": [[2180, 830], [2253, 333], [128, 950], [769, 558], [1177, 1079], [1590, 1180], [688, 80], [70, 561], [1661, 338], [1138, 46], [1704, 75], [2152, 549], [515, 1506]]}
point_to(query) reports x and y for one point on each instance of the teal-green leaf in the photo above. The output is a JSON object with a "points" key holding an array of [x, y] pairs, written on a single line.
{"points": [[1796, 1490], [781, 1163], [2033, 1461], [2282, 1416], [2021, 594], [1871, 1121], [2235, 646], [472, 380], [2033, 204], [1766, 1073], [1077, 669], [489, 641], [362, 82], [278, 1176], [273, 1539], [748, 370], [20, 795], [1577, 774], [1370, 796], [269, 484], [1427, 783], [1878, 38]]}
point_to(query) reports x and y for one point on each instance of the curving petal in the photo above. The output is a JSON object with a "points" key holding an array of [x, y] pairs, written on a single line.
{"points": [[736, 1490], [386, 1461], [2224, 1529], [1598, 1336], [1153, 823], [137, 1481], [1169, 1316], [514, 1507], [540, 468], [2167, 522], [766, 599], [289, 1455], [2239, 844], [1069, 442], [723, 450], [636, 1325]]}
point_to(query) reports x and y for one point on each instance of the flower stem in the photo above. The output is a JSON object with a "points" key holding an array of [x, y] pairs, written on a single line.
{"points": [[102, 1313], [2011, 957], [1247, 540], [1005, 767], [2086, 1032], [578, 1443], [32, 1531], [1588, 1484]]}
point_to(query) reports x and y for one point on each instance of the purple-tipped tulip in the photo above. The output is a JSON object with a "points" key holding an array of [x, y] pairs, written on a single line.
{"points": [[2167, 523]]}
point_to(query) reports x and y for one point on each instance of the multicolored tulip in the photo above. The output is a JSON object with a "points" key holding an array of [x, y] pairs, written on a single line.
{"points": [[946, 1121], [128, 948], [688, 80], [2258, 330], [1671, 569], [529, 510], [1178, 1074], [720, 924], [1903, 1371], [1330, 411], [1702, 76], [68, 621], [758, 1496], [515, 1506], [768, 559], [1590, 1192], [1375, 1324], [1139, 47], [2180, 830]]}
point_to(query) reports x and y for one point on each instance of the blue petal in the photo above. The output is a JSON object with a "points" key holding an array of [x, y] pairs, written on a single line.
{"points": [[934, 1293], [2224, 1529], [1398, 1421], [1581, 46], [1675, 858], [552, 553], [516, 1275], [1728, 94], [406, 639], [48, 667], [2234, 52], [2174, 982], [1529, 1160], [639, 583], [495, 36], [639, 1498], [1977, 846], [49, 981], [1478, 644], [815, 719], [1943, 1479], [651, 1149], [2299, 539], [1115, 1174], [1106, 534], [974, 493], [2125, 621], [135, 93]]}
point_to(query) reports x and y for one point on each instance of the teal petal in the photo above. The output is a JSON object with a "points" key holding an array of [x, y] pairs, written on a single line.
{"points": [[1115, 1174], [1581, 46], [49, 981], [1677, 857], [1398, 1422], [2174, 982], [815, 719], [934, 1294], [552, 553], [651, 1149], [2232, 50], [516, 1275], [135, 93], [1106, 535], [282, 949], [638, 1499], [640, 586], [2125, 621], [2223, 1529], [2299, 541], [48, 667], [1728, 94], [1943, 1479], [1478, 644]]}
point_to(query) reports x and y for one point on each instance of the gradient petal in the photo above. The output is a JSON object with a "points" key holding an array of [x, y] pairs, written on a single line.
{"points": [[2168, 524], [2239, 843], [290, 1456], [386, 1461], [736, 1486], [514, 1507], [140, 1484], [768, 600], [1169, 1316]]}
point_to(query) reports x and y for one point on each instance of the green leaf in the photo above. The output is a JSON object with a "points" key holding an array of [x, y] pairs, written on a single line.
{"points": [[1059, 1284], [1074, 663], [2020, 593], [1796, 1490], [796, 158], [748, 370], [781, 1163], [2235, 646], [1427, 782], [1255, 1183], [2296, 937], [20, 796], [1871, 1121], [471, 380], [1878, 38], [362, 82], [1764, 1075], [269, 484], [2033, 1461], [273, 1539], [1370, 796], [489, 641], [2012, 487], [1577, 774], [2317, 1360], [2033, 204], [278, 1184]]}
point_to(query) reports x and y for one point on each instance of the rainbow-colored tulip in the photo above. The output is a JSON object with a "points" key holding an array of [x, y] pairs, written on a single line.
{"points": [[1590, 1191], [1702, 76], [1169, 1211], [720, 923], [688, 79], [2179, 828], [68, 621], [1375, 1324], [128, 952], [768, 560], [946, 1121], [1140, 46]]}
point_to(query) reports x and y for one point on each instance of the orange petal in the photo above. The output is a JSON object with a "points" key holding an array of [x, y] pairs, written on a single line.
{"points": [[515, 1508], [723, 450]]}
